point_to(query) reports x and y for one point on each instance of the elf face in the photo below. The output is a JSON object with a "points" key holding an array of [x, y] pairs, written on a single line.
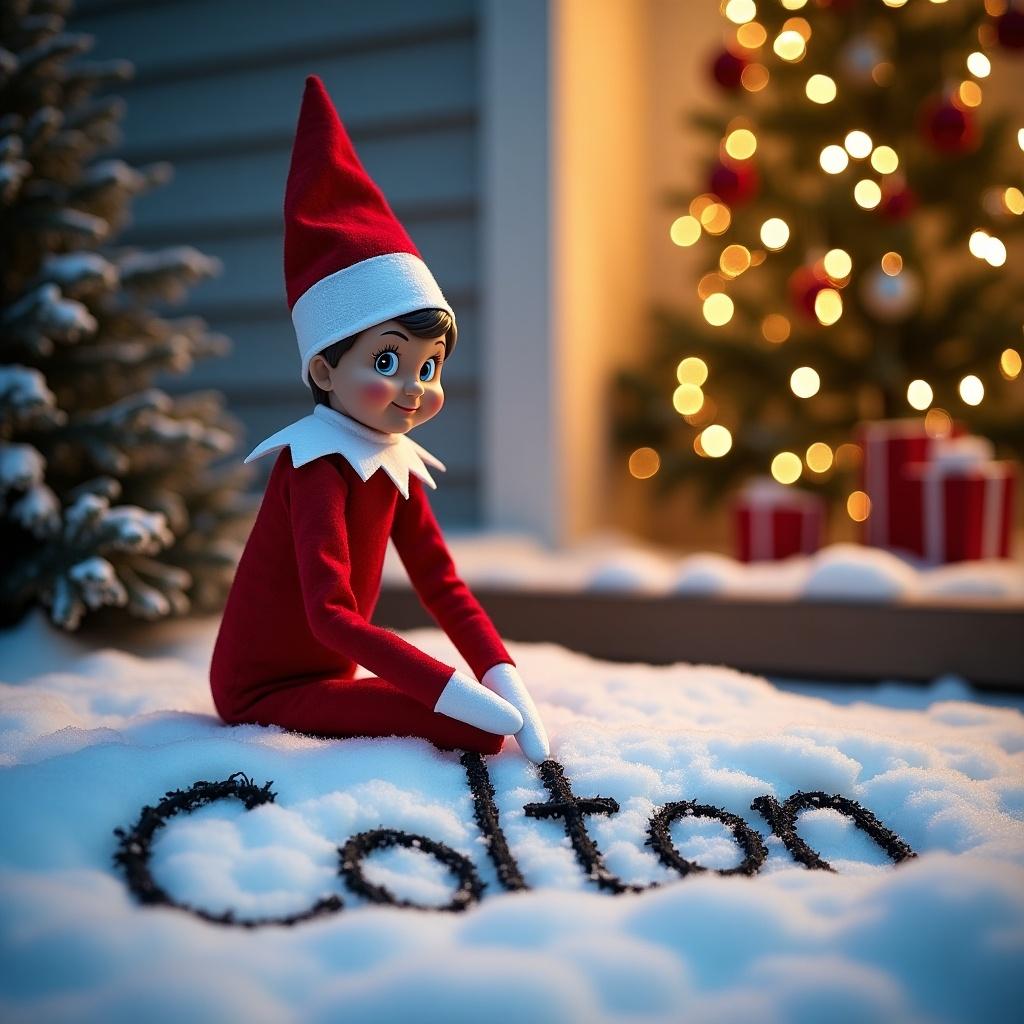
{"points": [[389, 379]]}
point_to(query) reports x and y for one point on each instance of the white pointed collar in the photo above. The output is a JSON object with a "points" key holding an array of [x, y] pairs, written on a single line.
{"points": [[327, 432]]}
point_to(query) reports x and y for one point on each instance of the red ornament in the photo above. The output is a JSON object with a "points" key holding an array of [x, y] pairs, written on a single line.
{"points": [[734, 181], [947, 127], [1010, 29], [727, 69], [804, 285], [898, 200]]}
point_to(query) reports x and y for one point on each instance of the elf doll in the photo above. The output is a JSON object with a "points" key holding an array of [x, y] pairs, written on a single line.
{"points": [[374, 334]]}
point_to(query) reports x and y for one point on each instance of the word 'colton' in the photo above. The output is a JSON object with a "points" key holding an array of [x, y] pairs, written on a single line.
{"points": [[133, 853]]}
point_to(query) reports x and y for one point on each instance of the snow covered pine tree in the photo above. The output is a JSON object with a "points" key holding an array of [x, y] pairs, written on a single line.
{"points": [[99, 471]]}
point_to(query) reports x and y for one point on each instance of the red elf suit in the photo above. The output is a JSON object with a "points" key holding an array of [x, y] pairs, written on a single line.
{"points": [[296, 626]]}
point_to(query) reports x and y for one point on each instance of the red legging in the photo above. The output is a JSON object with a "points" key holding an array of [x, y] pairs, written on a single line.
{"points": [[330, 706]]}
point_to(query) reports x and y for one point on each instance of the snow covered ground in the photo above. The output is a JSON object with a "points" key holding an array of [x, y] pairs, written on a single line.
{"points": [[89, 737], [616, 562]]}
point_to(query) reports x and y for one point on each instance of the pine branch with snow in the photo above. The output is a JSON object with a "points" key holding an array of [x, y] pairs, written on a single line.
{"points": [[100, 471]]}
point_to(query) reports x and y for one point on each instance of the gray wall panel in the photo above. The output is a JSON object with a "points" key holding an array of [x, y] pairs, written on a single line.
{"points": [[217, 93]]}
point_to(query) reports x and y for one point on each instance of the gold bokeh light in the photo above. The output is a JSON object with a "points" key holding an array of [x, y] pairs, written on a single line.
{"points": [[741, 144], [692, 370], [971, 389], [790, 45], [919, 394], [774, 233], [687, 399], [884, 159], [716, 440], [644, 463], [804, 381], [734, 260], [718, 309], [775, 328], [828, 306], [834, 159], [938, 423], [1010, 363], [858, 144], [892, 263], [838, 264], [867, 193], [685, 230], [787, 467], [820, 89], [819, 457], [858, 506]]}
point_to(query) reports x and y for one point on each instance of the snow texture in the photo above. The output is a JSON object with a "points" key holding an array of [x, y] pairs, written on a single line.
{"points": [[840, 572], [87, 737]]}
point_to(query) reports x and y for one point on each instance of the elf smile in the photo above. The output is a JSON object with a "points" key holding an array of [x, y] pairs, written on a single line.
{"points": [[404, 408]]}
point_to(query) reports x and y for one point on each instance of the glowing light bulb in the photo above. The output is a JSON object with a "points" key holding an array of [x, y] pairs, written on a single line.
{"points": [[919, 394], [716, 440], [892, 263], [716, 218], [970, 94], [1013, 200], [838, 264], [858, 506], [754, 77], [833, 160], [644, 463], [805, 382], [684, 230], [1010, 363], [775, 328], [790, 46], [787, 467], [819, 457], [718, 309], [820, 89], [774, 233], [741, 144], [884, 159], [978, 243], [972, 391], [867, 193], [734, 260], [858, 144], [740, 11], [828, 306], [979, 65], [687, 399], [995, 252], [692, 370], [751, 35]]}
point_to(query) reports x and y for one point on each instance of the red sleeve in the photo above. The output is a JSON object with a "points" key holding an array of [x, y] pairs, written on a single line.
{"points": [[316, 495], [426, 558]]}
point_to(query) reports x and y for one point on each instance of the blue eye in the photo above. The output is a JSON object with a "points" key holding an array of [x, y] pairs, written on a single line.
{"points": [[386, 362], [428, 369]]}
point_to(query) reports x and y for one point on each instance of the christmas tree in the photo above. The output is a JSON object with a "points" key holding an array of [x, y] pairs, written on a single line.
{"points": [[109, 495], [853, 226]]}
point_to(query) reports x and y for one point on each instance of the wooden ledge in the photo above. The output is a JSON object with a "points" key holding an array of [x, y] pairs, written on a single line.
{"points": [[982, 641]]}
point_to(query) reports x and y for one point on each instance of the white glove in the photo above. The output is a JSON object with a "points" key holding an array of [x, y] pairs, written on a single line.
{"points": [[505, 681], [465, 699]]}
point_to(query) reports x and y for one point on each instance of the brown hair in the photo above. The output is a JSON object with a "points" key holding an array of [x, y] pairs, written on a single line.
{"points": [[424, 323]]}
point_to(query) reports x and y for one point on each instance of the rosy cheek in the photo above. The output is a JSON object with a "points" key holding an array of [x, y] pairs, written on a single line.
{"points": [[376, 392], [432, 402]]}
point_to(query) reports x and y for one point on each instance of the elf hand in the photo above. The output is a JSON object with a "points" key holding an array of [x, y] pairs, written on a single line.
{"points": [[505, 681], [464, 699]]}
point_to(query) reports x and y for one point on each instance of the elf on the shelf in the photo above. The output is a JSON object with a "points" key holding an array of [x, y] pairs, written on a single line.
{"points": [[374, 333]]}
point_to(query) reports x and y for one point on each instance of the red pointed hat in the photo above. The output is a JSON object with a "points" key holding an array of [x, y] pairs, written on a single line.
{"points": [[348, 262]]}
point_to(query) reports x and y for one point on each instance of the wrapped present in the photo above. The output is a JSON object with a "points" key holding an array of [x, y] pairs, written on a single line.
{"points": [[889, 446], [966, 500], [773, 520]]}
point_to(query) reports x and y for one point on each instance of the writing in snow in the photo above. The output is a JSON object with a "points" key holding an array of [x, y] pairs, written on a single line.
{"points": [[134, 848]]}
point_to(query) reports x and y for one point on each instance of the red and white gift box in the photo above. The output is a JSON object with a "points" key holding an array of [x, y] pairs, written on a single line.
{"points": [[966, 500], [889, 447], [774, 520]]}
